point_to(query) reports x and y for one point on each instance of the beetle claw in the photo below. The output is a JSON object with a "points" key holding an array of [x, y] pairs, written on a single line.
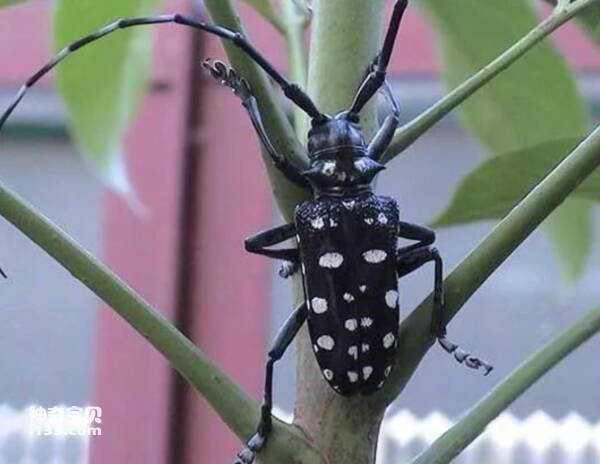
{"points": [[228, 77], [463, 357], [248, 454], [288, 269]]}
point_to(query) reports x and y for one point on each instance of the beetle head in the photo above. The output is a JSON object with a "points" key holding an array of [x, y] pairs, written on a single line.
{"points": [[338, 156], [335, 135]]}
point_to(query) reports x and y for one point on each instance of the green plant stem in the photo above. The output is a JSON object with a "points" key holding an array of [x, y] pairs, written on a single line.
{"points": [[278, 127], [415, 338], [232, 404], [345, 39], [457, 438], [294, 33], [412, 131]]}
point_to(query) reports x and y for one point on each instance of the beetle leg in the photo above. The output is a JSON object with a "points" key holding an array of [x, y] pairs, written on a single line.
{"points": [[282, 341], [258, 244], [410, 261], [424, 235], [378, 69], [386, 132], [227, 76]]}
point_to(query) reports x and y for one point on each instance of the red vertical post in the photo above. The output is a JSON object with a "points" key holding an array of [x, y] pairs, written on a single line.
{"points": [[229, 301], [132, 380]]}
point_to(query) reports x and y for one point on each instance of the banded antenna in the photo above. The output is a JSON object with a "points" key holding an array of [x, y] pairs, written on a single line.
{"points": [[290, 90]]}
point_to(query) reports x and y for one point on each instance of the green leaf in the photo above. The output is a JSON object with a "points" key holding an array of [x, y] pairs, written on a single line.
{"points": [[575, 251], [532, 103], [493, 188], [478, 198], [103, 82], [265, 8]]}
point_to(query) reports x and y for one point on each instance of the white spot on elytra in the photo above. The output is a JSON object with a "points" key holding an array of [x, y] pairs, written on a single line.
{"points": [[318, 223], [326, 342], [363, 288], [389, 340], [332, 223], [331, 260], [316, 348], [367, 371], [365, 347], [391, 298], [387, 371], [374, 256], [352, 376], [319, 305], [380, 384], [382, 218], [351, 325], [353, 352], [298, 238], [328, 168], [366, 322], [328, 374], [348, 297], [369, 221], [349, 204]]}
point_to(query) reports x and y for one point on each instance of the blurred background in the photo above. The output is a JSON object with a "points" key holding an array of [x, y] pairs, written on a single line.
{"points": [[179, 243]]}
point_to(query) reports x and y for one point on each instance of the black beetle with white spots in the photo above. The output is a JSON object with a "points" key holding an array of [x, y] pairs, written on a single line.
{"points": [[346, 236]]}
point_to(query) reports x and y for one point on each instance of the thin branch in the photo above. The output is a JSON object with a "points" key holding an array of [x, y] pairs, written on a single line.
{"points": [[276, 123], [455, 440], [296, 50], [415, 338], [234, 406], [412, 131], [267, 12]]}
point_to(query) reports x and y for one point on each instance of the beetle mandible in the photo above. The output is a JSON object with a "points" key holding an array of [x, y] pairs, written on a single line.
{"points": [[346, 235]]}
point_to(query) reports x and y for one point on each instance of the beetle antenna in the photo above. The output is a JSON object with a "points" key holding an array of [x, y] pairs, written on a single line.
{"points": [[378, 68], [291, 90]]}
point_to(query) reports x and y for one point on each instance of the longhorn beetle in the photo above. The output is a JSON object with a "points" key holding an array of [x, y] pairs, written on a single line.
{"points": [[346, 235]]}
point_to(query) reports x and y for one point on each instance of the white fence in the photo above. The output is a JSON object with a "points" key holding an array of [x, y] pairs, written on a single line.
{"points": [[537, 439]]}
